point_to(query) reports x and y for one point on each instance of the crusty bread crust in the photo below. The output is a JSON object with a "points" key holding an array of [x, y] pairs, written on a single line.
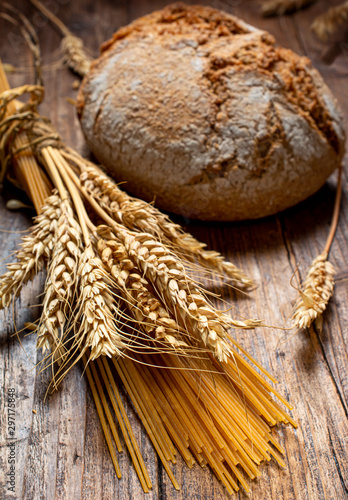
{"points": [[203, 113]]}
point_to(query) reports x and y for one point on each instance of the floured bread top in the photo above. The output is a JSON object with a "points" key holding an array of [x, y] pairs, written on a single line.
{"points": [[195, 108]]}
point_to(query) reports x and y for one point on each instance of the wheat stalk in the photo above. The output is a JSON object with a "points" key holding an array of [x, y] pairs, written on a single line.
{"points": [[61, 282], [281, 7], [35, 252], [94, 316], [75, 55], [138, 215], [327, 24]]}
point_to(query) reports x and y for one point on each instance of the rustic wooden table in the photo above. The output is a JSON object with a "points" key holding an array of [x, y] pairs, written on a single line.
{"points": [[60, 448]]}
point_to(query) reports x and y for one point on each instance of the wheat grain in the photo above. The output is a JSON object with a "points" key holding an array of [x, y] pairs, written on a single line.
{"points": [[327, 24], [61, 282], [281, 7], [35, 252], [316, 293], [138, 215], [136, 290]]}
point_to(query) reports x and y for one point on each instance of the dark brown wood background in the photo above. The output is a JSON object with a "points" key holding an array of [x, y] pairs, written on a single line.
{"points": [[61, 452]]}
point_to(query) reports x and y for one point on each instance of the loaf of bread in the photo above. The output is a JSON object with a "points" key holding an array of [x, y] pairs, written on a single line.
{"points": [[204, 114]]}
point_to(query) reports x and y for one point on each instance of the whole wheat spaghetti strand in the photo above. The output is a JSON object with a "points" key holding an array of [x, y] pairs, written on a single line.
{"points": [[146, 409], [106, 407], [148, 412], [208, 454], [124, 373], [318, 286]]}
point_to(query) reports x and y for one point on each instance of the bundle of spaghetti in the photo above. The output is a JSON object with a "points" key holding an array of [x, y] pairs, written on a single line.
{"points": [[206, 414], [124, 295]]}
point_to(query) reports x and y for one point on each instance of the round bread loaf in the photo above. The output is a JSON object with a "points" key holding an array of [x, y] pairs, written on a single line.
{"points": [[202, 113]]}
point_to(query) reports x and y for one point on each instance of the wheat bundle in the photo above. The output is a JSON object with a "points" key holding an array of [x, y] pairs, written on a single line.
{"points": [[120, 295]]}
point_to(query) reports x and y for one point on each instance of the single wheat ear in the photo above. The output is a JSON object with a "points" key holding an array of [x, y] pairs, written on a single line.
{"points": [[72, 46], [147, 310], [60, 286], [281, 7], [319, 284], [316, 293], [330, 22], [141, 216], [35, 252], [96, 316]]}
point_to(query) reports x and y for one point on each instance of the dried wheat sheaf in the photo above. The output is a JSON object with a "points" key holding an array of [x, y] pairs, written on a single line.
{"points": [[121, 287]]}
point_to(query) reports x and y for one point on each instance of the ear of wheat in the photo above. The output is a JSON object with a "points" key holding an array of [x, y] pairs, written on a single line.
{"points": [[318, 286], [61, 281], [97, 314], [138, 295], [316, 293], [35, 252], [72, 46], [141, 216], [184, 298]]}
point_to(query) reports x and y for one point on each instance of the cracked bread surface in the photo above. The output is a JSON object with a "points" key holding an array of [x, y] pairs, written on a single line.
{"points": [[196, 109]]}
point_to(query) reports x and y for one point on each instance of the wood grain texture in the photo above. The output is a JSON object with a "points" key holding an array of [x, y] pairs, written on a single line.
{"points": [[60, 449]]}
